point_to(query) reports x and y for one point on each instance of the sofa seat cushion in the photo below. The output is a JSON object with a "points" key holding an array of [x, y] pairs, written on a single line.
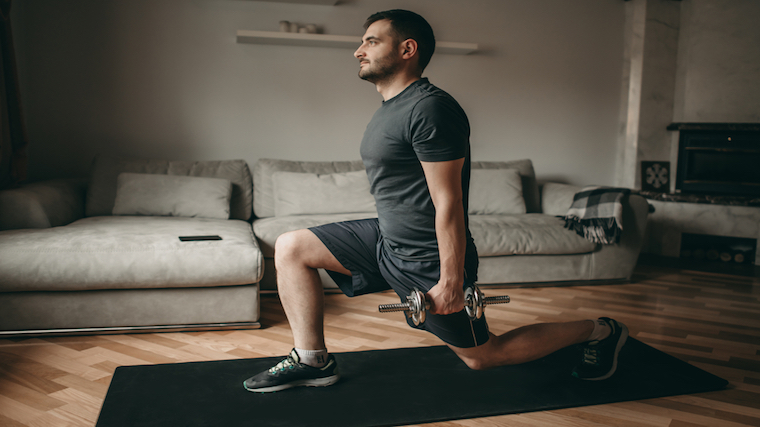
{"points": [[269, 229], [495, 235], [526, 234], [113, 252]]}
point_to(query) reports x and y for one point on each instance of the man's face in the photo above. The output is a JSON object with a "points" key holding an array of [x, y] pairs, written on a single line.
{"points": [[378, 55]]}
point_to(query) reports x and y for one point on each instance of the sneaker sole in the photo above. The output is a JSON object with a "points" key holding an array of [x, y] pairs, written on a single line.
{"points": [[621, 341], [319, 382]]}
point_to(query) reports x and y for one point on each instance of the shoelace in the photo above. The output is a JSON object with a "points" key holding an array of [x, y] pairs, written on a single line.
{"points": [[288, 363]]}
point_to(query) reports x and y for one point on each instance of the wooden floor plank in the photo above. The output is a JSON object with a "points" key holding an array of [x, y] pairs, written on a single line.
{"points": [[9, 422], [26, 374], [17, 411], [32, 398]]}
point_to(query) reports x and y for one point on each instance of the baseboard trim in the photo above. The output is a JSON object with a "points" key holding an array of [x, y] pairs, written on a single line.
{"points": [[128, 329], [555, 284]]}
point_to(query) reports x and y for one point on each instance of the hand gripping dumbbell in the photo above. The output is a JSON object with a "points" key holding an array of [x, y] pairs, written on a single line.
{"points": [[416, 305]]}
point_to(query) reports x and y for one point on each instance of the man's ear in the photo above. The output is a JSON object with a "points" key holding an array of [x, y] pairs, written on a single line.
{"points": [[408, 48]]}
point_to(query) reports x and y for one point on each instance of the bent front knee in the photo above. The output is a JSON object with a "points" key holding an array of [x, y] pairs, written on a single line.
{"points": [[477, 363], [288, 245]]}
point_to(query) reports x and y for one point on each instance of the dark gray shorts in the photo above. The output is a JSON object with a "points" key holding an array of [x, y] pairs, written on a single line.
{"points": [[358, 246]]}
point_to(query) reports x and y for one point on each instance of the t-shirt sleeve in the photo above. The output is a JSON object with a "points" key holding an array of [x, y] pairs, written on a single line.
{"points": [[439, 130]]}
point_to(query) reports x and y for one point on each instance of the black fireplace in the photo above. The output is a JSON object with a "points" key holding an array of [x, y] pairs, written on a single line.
{"points": [[718, 158]]}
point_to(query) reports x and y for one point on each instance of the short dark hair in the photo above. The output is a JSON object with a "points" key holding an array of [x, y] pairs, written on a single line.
{"points": [[409, 25]]}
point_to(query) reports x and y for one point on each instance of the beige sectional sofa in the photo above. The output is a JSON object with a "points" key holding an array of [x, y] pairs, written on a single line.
{"points": [[514, 223], [104, 254], [68, 264]]}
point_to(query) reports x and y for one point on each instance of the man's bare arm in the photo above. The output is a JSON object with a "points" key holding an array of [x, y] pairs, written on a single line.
{"points": [[444, 180]]}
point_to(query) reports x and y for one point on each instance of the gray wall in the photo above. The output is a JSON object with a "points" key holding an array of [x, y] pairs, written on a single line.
{"points": [[166, 79], [718, 78], [686, 61]]}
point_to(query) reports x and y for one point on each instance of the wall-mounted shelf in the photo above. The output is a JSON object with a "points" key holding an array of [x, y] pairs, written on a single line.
{"points": [[328, 40], [323, 2]]}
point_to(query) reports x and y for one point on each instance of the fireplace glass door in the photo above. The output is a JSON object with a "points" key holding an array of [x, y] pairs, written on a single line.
{"points": [[719, 163]]}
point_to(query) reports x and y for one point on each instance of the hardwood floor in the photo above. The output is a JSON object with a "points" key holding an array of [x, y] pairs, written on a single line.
{"points": [[710, 320]]}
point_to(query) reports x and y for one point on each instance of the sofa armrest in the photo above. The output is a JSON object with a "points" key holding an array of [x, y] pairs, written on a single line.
{"points": [[42, 204], [608, 261], [619, 260]]}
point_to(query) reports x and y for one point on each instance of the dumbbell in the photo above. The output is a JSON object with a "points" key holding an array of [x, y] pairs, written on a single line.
{"points": [[416, 306]]}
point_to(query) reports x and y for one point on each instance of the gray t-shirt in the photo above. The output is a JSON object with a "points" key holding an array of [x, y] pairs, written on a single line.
{"points": [[422, 123]]}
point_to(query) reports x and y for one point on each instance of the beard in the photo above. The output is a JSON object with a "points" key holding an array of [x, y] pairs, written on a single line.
{"points": [[379, 70]]}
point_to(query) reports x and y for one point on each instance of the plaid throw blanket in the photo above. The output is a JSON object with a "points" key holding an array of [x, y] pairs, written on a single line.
{"points": [[597, 214]]}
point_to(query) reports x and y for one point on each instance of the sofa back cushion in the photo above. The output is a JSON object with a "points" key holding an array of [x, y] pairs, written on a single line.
{"points": [[527, 175], [264, 169], [557, 198], [496, 192], [171, 195], [101, 192], [298, 193]]}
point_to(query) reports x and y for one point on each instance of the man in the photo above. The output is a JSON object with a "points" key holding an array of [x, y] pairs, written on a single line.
{"points": [[417, 155]]}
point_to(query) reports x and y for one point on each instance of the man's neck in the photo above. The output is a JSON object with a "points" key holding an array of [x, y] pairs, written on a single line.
{"points": [[392, 87]]}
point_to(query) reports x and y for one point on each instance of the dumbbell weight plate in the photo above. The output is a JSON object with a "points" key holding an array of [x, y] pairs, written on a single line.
{"points": [[417, 299], [473, 302]]}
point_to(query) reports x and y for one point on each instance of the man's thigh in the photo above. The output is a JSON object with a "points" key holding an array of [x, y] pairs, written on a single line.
{"points": [[304, 246], [354, 245]]}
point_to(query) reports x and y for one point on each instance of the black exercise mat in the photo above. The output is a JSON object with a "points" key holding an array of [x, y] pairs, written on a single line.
{"points": [[387, 387]]}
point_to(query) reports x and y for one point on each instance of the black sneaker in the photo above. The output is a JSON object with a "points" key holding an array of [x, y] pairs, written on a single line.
{"points": [[600, 357], [291, 373]]}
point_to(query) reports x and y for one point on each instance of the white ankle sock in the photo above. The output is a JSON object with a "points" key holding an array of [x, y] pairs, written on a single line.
{"points": [[601, 330], [313, 358]]}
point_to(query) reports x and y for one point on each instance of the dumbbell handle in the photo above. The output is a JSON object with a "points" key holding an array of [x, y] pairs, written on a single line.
{"points": [[499, 299], [416, 307], [389, 308], [402, 306]]}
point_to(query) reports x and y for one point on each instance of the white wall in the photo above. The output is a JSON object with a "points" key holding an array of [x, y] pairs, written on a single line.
{"points": [[718, 77], [166, 79]]}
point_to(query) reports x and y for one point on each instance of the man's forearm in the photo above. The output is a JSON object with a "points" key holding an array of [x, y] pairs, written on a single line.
{"points": [[450, 233]]}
